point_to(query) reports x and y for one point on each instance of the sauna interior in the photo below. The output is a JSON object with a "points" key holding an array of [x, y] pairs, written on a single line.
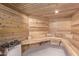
{"points": [[39, 29]]}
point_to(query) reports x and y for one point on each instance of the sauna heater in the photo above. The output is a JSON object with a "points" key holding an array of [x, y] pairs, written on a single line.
{"points": [[12, 48]]}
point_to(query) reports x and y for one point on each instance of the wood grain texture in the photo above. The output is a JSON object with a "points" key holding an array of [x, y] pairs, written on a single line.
{"points": [[46, 10], [13, 25], [38, 28], [75, 30], [61, 28]]}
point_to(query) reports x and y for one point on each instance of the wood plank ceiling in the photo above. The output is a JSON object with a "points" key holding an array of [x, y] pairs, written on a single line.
{"points": [[46, 10]]}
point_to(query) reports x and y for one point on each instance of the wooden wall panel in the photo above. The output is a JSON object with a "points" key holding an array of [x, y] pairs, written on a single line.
{"points": [[75, 30], [61, 28], [38, 28], [13, 25]]}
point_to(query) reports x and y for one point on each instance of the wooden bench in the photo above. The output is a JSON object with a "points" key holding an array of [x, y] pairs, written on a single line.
{"points": [[71, 49]]}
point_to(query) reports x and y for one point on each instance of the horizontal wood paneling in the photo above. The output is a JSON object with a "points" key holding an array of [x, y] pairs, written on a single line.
{"points": [[13, 25], [75, 30], [61, 28], [38, 28]]}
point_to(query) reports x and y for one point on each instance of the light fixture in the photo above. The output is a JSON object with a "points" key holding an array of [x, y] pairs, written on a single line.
{"points": [[56, 11]]}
